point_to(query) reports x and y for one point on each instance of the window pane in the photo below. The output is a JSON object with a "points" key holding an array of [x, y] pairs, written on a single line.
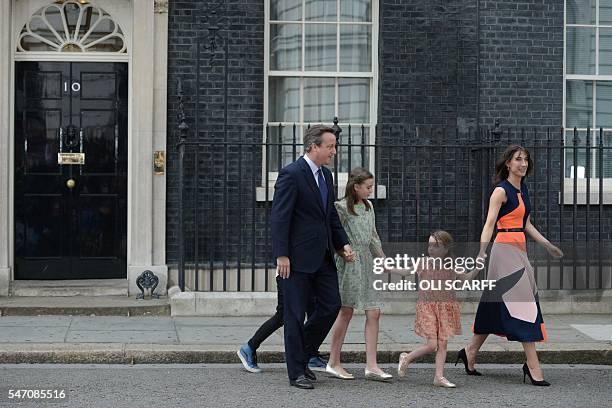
{"points": [[355, 48], [577, 143], [595, 166], [38, 27], [354, 100], [284, 99], [320, 10], [607, 156], [356, 10], [101, 30], [579, 100], [319, 100], [285, 47], [604, 104], [50, 27], [580, 50], [320, 47], [605, 12], [581, 11], [55, 23], [360, 155], [286, 10], [604, 165], [605, 51], [575, 155], [283, 134]]}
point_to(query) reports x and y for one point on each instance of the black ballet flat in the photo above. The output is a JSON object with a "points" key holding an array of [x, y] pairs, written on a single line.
{"points": [[461, 355], [539, 383]]}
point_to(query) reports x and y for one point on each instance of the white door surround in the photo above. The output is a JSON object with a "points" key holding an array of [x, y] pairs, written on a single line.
{"points": [[144, 24]]}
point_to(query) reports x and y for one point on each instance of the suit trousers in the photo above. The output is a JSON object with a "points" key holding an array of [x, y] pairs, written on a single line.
{"points": [[277, 320], [302, 340]]}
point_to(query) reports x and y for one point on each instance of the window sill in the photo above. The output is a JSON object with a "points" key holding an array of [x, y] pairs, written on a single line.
{"points": [[581, 192], [260, 194]]}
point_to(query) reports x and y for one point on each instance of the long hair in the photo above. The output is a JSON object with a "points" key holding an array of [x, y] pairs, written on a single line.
{"points": [[357, 176], [501, 169]]}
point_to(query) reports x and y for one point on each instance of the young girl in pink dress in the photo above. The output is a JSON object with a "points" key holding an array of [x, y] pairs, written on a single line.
{"points": [[437, 311]]}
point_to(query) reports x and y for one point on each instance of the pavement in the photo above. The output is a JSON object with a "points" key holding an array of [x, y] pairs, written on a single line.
{"points": [[572, 339]]}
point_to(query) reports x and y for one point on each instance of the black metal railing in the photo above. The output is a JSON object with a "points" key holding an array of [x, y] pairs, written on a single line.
{"points": [[425, 179]]}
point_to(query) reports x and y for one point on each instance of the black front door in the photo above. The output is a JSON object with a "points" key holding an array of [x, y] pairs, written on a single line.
{"points": [[70, 219]]}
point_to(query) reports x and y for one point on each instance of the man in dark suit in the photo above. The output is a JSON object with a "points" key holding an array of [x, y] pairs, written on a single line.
{"points": [[306, 232]]}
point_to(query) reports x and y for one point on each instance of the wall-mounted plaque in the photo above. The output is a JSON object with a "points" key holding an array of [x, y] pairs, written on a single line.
{"points": [[71, 158]]}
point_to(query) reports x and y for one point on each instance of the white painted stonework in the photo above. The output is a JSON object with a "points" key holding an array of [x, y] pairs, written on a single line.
{"points": [[144, 24]]}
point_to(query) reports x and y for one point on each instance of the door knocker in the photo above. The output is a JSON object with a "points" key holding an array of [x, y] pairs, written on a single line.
{"points": [[71, 139]]}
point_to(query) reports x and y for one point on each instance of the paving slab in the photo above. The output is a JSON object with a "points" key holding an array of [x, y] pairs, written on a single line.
{"points": [[602, 332], [206, 335], [111, 323], [253, 321], [122, 336], [36, 334], [162, 339], [27, 321]]}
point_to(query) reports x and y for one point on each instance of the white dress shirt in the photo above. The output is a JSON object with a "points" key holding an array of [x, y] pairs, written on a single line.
{"points": [[314, 169]]}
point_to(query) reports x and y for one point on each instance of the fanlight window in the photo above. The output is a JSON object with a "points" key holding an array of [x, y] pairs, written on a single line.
{"points": [[70, 26]]}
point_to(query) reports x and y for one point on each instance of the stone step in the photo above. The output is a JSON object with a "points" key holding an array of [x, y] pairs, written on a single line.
{"points": [[83, 306], [63, 288]]}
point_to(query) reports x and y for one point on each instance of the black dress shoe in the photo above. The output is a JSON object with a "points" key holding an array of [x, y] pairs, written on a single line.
{"points": [[309, 374], [302, 382]]}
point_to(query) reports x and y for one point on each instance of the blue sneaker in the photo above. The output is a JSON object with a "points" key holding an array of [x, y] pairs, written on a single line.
{"points": [[248, 358], [317, 363]]}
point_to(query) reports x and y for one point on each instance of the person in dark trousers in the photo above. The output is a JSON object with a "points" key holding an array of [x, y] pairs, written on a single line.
{"points": [[248, 352], [306, 232]]}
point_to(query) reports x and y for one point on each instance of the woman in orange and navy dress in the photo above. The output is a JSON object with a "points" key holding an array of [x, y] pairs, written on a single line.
{"points": [[511, 309]]}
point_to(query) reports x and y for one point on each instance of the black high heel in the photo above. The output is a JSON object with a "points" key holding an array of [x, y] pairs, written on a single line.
{"points": [[540, 383], [461, 355]]}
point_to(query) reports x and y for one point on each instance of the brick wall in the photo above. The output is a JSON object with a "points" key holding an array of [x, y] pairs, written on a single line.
{"points": [[428, 64], [521, 63], [445, 67], [242, 26]]}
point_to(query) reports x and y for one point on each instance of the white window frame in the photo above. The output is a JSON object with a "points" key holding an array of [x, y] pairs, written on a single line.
{"points": [[64, 38], [270, 178], [581, 183]]}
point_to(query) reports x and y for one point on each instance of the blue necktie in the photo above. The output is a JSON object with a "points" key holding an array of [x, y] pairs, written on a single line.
{"points": [[322, 188]]}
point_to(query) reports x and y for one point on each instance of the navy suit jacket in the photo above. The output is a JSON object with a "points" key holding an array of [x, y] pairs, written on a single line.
{"points": [[302, 229]]}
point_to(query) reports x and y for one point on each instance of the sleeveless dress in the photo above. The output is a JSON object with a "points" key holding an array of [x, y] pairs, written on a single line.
{"points": [[356, 279], [511, 309]]}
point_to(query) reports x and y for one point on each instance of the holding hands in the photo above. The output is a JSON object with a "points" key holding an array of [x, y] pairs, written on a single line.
{"points": [[347, 253], [284, 266]]}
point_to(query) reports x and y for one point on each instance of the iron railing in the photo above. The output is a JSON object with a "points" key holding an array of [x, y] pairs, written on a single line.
{"points": [[425, 179]]}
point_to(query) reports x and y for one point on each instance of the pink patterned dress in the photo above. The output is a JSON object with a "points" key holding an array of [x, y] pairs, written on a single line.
{"points": [[437, 311]]}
